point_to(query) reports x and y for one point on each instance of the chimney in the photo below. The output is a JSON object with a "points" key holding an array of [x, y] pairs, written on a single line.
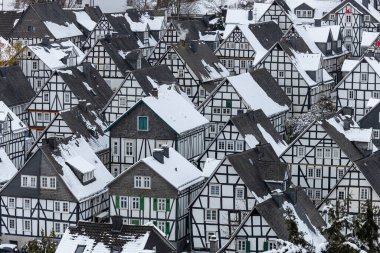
{"points": [[165, 148], [250, 14], [365, 3], [86, 5], [107, 37], [182, 43], [213, 244], [154, 92], [86, 68], [82, 104], [206, 20], [317, 22], [194, 46], [278, 197], [292, 193], [45, 40], [158, 154], [117, 224], [51, 142], [346, 125]]}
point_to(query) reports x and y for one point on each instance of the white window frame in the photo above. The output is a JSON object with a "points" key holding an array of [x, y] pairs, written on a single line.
{"points": [[211, 215], [215, 190], [161, 204], [45, 96], [27, 225], [340, 173], [288, 90], [66, 97], [332, 16], [31, 181], [128, 148], [135, 203], [228, 145], [367, 18], [339, 197], [376, 133], [25, 205], [318, 172], [363, 77], [34, 65], [318, 152], [364, 194], [51, 182], [336, 153], [124, 204], [142, 182], [221, 145], [122, 101], [239, 145], [11, 202], [300, 151], [10, 221], [241, 245], [239, 192], [327, 153], [310, 172]]}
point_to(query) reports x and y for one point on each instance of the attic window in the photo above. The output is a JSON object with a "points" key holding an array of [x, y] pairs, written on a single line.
{"points": [[332, 16], [80, 249], [82, 169], [208, 69], [88, 176], [367, 17], [31, 28]]}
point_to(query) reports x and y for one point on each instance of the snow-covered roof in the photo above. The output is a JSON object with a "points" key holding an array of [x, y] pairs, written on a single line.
{"points": [[320, 8], [372, 102], [374, 63], [349, 65], [80, 164], [7, 51], [368, 38], [318, 34], [176, 169], [354, 133], [254, 95], [166, 105], [62, 31], [259, 49], [55, 54], [85, 20], [240, 16], [309, 62], [7, 168], [16, 124], [210, 165], [70, 151]]}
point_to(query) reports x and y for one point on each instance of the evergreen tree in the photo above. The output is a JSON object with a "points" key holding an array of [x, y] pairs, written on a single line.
{"points": [[295, 236], [44, 245]]}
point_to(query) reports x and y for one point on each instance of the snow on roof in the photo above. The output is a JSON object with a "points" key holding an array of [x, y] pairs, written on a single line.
{"points": [[320, 8], [7, 51], [349, 65], [254, 95], [309, 62], [240, 16], [215, 71], [7, 168], [260, 51], [166, 105], [374, 64], [251, 140], [208, 36], [368, 38], [16, 124], [85, 20], [210, 165], [53, 54], [176, 169], [80, 164], [372, 102], [355, 133], [78, 147], [63, 31], [136, 26], [278, 147], [318, 34]]}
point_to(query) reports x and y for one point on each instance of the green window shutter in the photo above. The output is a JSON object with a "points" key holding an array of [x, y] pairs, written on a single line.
{"points": [[229, 103], [167, 204], [117, 202], [155, 223], [135, 222], [248, 246], [167, 228], [141, 203], [143, 123], [154, 204], [265, 245]]}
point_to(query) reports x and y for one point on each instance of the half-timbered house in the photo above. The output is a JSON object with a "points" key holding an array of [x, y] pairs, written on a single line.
{"points": [[299, 72], [138, 84], [39, 61], [249, 91], [197, 69], [90, 236], [7, 168], [241, 132], [44, 19], [353, 17], [154, 121], [65, 89], [358, 185], [372, 120], [158, 189], [369, 41], [324, 152], [62, 183], [359, 85], [268, 221], [15, 91], [12, 135], [80, 120], [245, 45], [115, 57], [237, 185]]}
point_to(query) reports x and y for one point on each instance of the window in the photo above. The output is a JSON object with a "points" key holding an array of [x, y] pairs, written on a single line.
{"points": [[45, 97], [340, 173], [142, 123], [123, 202], [367, 17], [341, 195], [27, 204], [215, 190], [230, 145], [351, 94], [318, 172], [364, 77], [11, 203], [39, 84], [161, 225], [47, 117], [364, 193], [57, 227], [310, 172], [122, 101], [135, 203], [161, 204], [34, 65], [202, 92], [188, 91], [31, 28], [230, 63], [39, 116], [328, 45], [243, 64], [115, 148], [327, 152], [301, 151], [280, 73], [336, 153], [230, 45], [181, 73], [221, 145], [317, 194], [211, 215], [88, 176], [226, 111], [67, 97], [376, 134], [209, 235], [319, 152], [65, 207], [332, 16], [241, 245], [288, 90], [348, 19], [128, 148], [12, 223], [239, 145], [239, 192], [27, 225], [212, 128], [216, 110], [142, 182], [48, 182], [28, 181]]}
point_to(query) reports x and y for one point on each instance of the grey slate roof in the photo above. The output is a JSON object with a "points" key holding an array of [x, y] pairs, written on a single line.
{"points": [[75, 81], [372, 119], [189, 28], [94, 12], [15, 89], [304, 6], [370, 167], [119, 23], [7, 21], [116, 238], [267, 33], [126, 43]]}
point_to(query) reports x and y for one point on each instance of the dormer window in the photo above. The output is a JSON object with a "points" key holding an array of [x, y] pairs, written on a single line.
{"points": [[88, 176], [82, 169], [328, 45]]}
